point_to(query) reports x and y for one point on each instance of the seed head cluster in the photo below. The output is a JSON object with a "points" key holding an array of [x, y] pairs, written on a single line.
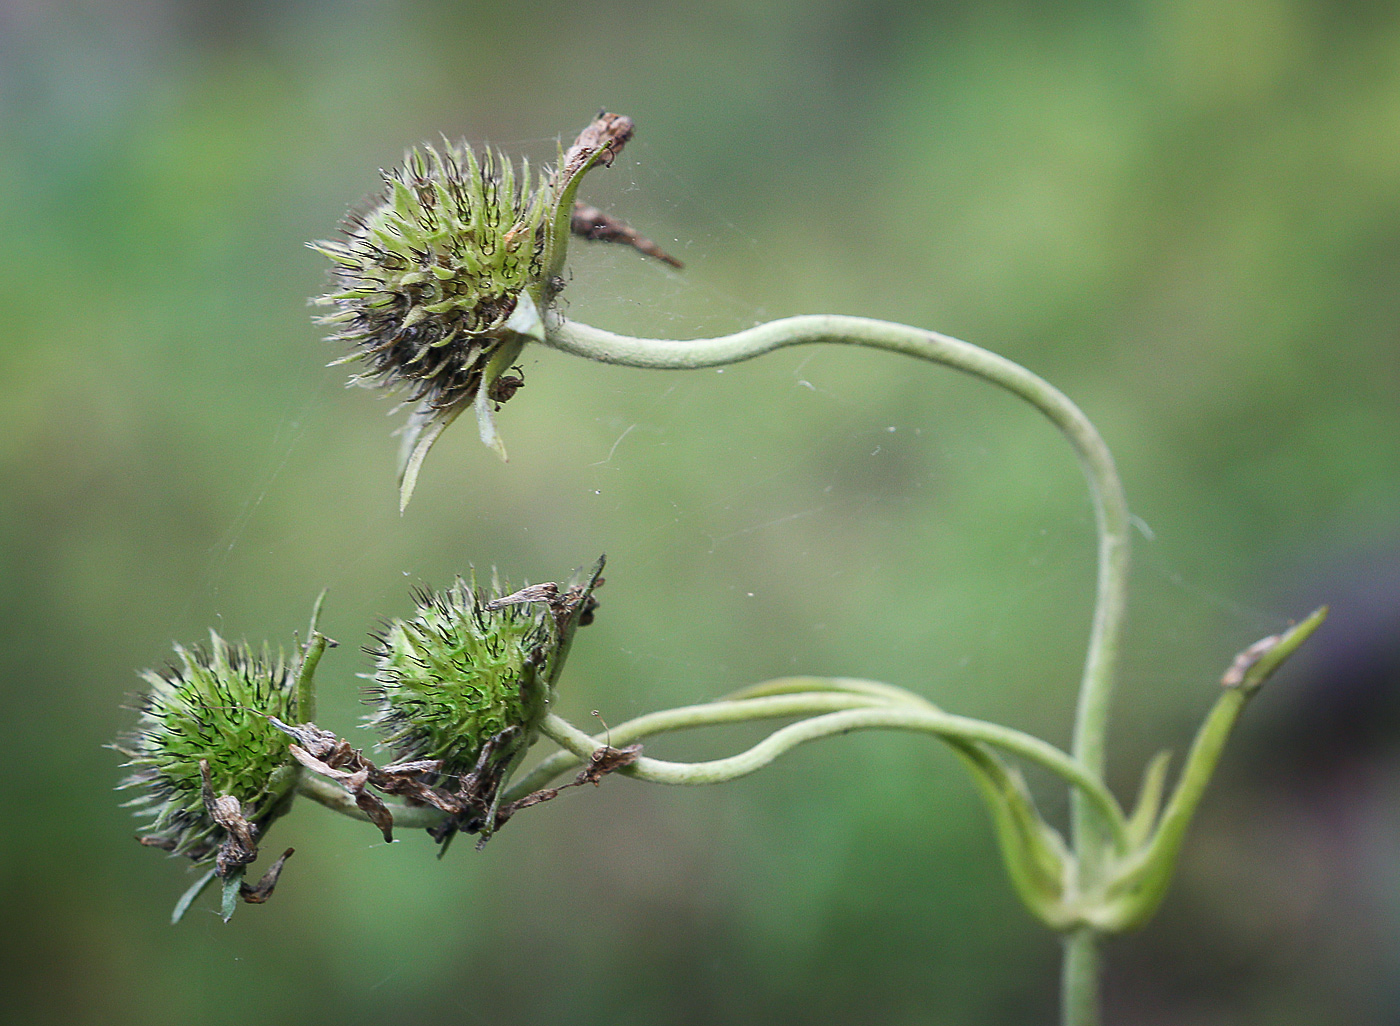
{"points": [[434, 267], [212, 707]]}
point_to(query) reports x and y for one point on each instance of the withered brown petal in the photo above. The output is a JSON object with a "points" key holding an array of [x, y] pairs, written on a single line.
{"points": [[595, 225], [605, 760], [318, 766], [240, 844], [608, 132], [309, 736], [547, 592], [377, 812], [262, 890], [602, 762]]}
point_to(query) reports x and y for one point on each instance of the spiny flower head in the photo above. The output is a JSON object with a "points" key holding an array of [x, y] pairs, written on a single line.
{"points": [[441, 280], [472, 671], [214, 708], [428, 276]]}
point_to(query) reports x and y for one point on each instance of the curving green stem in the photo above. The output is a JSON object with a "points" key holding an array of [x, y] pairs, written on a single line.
{"points": [[871, 716], [685, 717], [1110, 505], [1096, 831], [848, 685]]}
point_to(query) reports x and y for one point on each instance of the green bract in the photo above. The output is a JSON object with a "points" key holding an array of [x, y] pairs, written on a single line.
{"points": [[212, 707]]}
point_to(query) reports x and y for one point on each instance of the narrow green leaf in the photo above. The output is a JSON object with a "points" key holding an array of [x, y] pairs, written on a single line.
{"points": [[1149, 803], [1143, 879], [233, 883], [311, 651], [1257, 663], [486, 425], [188, 898], [525, 325], [557, 224], [1033, 852], [586, 580], [424, 428]]}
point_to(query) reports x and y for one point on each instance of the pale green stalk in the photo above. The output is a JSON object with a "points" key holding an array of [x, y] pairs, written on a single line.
{"points": [[874, 716], [1110, 505], [849, 685], [1117, 868], [1079, 979], [1096, 830], [836, 706], [684, 718]]}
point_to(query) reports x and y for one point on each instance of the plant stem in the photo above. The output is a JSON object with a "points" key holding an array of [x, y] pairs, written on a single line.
{"points": [[882, 716], [1079, 982], [1094, 826], [1110, 505], [846, 685], [685, 717]]}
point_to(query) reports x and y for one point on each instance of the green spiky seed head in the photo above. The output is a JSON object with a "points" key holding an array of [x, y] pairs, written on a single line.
{"points": [[428, 275], [472, 668], [213, 707], [456, 674], [447, 274]]}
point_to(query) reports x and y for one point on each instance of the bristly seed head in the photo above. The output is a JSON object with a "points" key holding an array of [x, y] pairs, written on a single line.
{"points": [[213, 708], [428, 275], [456, 674], [448, 273], [471, 669]]}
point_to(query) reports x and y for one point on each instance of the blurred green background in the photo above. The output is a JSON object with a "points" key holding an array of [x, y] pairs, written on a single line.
{"points": [[1185, 213]]}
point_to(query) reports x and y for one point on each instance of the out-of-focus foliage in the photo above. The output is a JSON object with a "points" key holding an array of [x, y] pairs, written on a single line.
{"points": [[1185, 213]]}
